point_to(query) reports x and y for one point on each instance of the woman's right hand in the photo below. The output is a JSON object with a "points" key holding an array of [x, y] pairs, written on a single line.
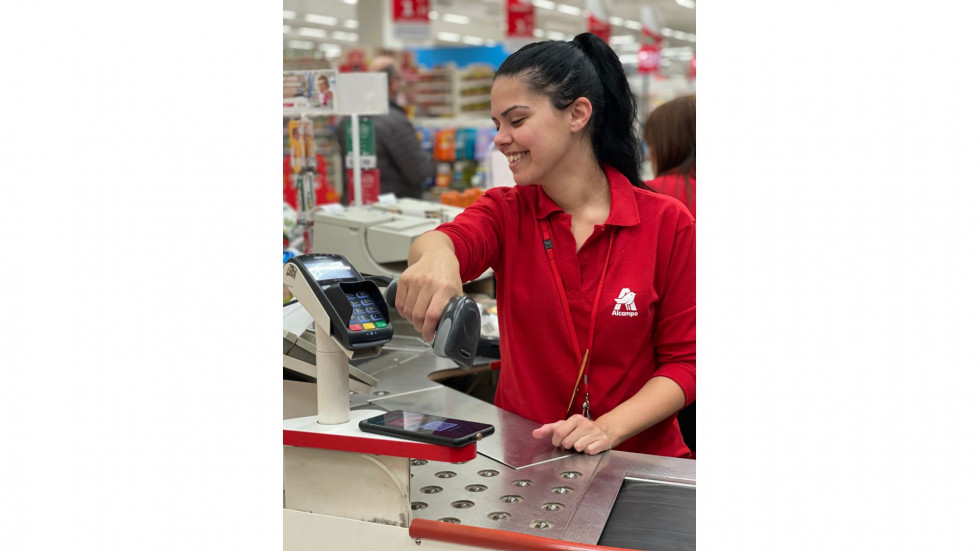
{"points": [[429, 282]]}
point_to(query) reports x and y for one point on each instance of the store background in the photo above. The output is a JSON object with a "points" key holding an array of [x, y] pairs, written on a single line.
{"points": [[141, 171], [447, 70]]}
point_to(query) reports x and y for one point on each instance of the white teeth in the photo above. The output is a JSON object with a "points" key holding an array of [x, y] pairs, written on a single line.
{"points": [[514, 157]]}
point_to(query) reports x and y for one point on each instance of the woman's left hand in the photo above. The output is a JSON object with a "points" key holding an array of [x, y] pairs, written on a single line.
{"points": [[577, 432]]}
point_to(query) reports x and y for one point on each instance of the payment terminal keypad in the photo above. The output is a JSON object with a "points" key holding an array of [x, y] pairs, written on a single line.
{"points": [[366, 315]]}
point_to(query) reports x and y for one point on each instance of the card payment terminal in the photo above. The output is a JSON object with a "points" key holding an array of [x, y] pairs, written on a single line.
{"points": [[358, 315]]}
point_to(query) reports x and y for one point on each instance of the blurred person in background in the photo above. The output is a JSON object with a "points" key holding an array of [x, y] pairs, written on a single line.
{"points": [[671, 134]]}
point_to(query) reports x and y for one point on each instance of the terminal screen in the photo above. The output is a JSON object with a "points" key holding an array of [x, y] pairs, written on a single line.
{"points": [[331, 270]]}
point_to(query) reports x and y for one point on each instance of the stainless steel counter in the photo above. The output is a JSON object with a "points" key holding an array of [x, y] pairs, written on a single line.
{"points": [[519, 483]]}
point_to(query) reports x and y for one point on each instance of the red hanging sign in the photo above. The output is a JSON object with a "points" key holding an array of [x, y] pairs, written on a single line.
{"points": [[410, 11], [649, 51], [519, 19]]}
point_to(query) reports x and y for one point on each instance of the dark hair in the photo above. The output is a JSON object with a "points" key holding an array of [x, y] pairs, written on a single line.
{"points": [[671, 133], [586, 67]]}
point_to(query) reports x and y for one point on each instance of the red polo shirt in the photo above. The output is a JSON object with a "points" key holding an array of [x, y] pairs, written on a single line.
{"points": [[655, 335]]}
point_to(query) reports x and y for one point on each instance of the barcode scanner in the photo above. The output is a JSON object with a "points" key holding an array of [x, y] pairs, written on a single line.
{"points": [[457, 334]]}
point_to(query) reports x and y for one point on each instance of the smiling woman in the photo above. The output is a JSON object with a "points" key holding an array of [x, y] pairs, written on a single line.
{"points": [[579, 240]]}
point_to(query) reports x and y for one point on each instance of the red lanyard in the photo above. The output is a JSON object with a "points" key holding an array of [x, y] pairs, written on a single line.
{"points": [[582, 357]]}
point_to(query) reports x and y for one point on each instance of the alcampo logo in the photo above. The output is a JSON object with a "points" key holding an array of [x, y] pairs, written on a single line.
{"points": [[628, 299]]}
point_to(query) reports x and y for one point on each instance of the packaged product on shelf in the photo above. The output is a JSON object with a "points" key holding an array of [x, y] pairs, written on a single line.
{"points": [[443, 175], [445, 146], [465, 143], [484, 143]]}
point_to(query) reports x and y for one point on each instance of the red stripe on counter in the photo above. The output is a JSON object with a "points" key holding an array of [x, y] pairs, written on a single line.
{"points": [[488, 538], [394, 448]]}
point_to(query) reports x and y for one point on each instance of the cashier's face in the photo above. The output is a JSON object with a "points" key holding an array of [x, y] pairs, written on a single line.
{"points": [[532, 134]]}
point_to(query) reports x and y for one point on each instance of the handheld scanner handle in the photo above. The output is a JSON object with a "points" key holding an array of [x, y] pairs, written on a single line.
{"points": [[457, 334]]}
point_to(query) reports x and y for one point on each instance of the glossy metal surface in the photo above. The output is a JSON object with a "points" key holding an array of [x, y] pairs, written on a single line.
{"points": [[540, 500]]}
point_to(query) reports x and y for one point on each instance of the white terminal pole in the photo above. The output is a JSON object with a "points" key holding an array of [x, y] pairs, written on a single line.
{"points": [[332, 379]]}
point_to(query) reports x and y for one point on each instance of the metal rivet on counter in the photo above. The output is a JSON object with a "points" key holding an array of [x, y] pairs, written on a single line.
{"points": [[499, 515], [561, 490], [476, 488], [418, 462], [450, 520], [511, 499], [380, 393], [540, 524], [462, 504], [488, 473], [416, 505], [571, 474], [552, 506], [444, 474], [431, 489], [523, 483]]}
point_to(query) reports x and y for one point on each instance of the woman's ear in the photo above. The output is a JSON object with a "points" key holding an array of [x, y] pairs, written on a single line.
{"points": [[580, 110]]}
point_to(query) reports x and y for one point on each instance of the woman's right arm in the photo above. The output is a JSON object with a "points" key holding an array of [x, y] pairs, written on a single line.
{"points": [[430, 281]]}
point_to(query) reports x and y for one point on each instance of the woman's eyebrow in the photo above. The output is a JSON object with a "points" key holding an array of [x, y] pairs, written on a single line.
{"points": [[511, 108]]}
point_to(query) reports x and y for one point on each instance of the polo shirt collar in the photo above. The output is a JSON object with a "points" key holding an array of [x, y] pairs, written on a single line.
{"points": [[623, 210]]}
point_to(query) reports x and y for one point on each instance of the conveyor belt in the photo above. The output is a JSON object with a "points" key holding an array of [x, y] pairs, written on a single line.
{"points": [[652, 516]]}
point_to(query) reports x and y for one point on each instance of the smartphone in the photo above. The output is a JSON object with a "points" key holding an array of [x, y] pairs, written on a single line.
{"points": [[427, 428]]}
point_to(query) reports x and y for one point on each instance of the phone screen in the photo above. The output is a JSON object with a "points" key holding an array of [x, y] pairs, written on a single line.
{"points": [[425, 427]]}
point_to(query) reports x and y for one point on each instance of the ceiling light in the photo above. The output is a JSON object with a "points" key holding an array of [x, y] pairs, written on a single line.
{"points": [[687, 4], [634, 25], [546, 4], [313, 33], [570, 10], [433, 15], [622, 39], [300, 44], [634, 47], [351, 23], [453, 18], [448, 37], [331, 50], [629, 59], [321, 19], [538, 33], [474, 40], [351, 2], [286, 14], [286, 29], [616, 20], [341, 35], [554, 35]]}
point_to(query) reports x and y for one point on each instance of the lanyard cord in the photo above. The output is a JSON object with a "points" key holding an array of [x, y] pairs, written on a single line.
{"points": [[582, 357]]}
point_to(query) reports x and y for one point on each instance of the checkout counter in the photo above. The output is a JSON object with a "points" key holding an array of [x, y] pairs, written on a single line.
{"points": [[515, 492], [517, 483]]}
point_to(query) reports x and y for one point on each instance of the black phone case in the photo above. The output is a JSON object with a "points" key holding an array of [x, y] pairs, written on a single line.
{"points": [[423, 437]]}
